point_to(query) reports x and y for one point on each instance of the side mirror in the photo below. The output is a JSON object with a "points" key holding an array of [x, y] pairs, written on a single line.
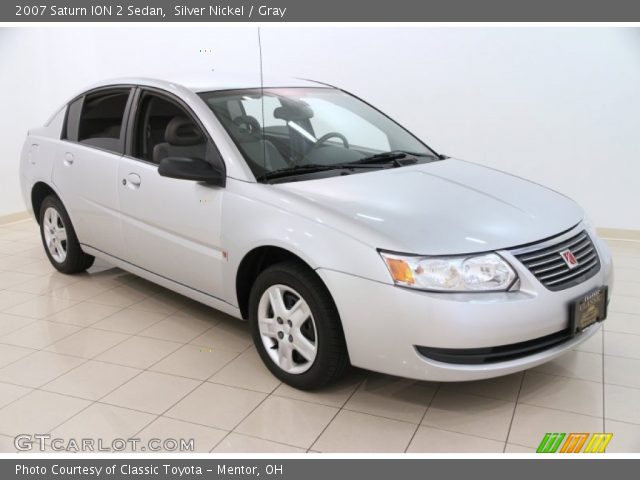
{"points": [[196, 169]]}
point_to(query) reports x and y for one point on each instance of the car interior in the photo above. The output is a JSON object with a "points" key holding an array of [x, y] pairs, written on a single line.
{"points": [[101, 119], [289, 142], [276, 135], [164, 130]]}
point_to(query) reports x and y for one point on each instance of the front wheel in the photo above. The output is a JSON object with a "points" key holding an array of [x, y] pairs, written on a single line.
{"points": [[59, 238], [295, 326]]}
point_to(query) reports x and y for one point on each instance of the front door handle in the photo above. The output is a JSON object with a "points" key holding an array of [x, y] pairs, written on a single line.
{"points": [[132, 181]]}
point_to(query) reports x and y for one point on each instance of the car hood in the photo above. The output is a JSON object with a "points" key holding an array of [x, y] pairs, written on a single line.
{"points": [[439, 208]]}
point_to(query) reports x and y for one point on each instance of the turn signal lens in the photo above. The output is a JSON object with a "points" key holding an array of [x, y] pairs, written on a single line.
{"points": [[400, 270]]}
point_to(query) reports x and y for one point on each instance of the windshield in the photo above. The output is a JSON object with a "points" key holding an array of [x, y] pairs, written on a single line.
{"points": [[298, 129]]}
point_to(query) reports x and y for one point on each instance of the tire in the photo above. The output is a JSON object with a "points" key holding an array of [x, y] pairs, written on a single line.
{"points": [[65, 254], [322, 329]]}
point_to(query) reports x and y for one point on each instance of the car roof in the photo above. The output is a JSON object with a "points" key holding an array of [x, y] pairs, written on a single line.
{"points": [[213, 81]]}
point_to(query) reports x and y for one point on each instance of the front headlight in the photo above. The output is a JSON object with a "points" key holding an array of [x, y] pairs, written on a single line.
{"points": [[469, 273]]}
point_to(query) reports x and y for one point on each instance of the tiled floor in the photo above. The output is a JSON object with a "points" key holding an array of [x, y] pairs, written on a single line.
{"points": [[108, 355]]}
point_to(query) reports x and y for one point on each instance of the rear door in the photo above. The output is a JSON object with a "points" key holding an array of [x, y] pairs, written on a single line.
{"points": [[85, 169], [171, 227]]}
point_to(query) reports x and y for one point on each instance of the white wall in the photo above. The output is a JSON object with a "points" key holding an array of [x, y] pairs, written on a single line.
{"points": [[560, 106], [40, 68]]}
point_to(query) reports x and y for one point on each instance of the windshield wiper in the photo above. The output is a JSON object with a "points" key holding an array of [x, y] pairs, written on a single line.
{"points": [[389, 157], [309, 168], [298, 169], [366, 162]]}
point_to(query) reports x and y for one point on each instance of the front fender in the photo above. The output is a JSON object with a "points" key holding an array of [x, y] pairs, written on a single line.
{"points": [[249, 223]]}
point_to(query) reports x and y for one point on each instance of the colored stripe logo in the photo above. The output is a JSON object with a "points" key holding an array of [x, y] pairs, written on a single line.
{"points": [[598, 443], [574, 442]]}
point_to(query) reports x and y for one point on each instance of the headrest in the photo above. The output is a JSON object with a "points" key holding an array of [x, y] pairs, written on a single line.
{"points": [[293, 112], [182, 132], [247, 128]]}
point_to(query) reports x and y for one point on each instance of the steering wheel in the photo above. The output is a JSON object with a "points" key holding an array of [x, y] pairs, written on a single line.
{"points": [[326, 137]]}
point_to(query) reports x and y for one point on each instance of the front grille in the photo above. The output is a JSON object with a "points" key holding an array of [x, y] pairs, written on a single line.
{"points": [[549, 267], [503, 353]]}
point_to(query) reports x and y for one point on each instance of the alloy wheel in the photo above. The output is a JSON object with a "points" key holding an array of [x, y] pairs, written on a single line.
{"points": [[55, 234], [287, 329]]}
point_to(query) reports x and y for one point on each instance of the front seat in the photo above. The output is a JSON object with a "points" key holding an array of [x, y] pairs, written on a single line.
{"points": [[261, 152], [182, 138]]}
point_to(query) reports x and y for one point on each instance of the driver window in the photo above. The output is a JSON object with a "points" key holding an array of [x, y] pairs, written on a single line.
{"points": [[164, 129]]}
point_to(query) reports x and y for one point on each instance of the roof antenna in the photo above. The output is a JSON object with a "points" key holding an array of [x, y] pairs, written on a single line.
{"points": [[264, 143]]}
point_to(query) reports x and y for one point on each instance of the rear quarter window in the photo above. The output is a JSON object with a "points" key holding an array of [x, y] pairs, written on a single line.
{"points": [[70, 130]]}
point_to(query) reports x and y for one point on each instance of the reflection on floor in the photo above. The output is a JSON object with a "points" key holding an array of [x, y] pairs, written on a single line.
{"points": [[108, 355]]}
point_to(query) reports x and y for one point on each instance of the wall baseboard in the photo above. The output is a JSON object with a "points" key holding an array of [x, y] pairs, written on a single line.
{"points": [[14, 217], [619, 234]]}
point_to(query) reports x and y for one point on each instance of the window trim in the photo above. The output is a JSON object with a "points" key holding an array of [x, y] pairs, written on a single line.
{"points": [[132, 118], [125, 116]]}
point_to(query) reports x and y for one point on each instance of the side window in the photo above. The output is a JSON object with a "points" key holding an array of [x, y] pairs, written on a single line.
{"points": [[101, 118], [164, 129]]}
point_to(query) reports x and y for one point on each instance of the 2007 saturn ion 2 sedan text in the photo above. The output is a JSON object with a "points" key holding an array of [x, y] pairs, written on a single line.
{"points": [[340, 236]]}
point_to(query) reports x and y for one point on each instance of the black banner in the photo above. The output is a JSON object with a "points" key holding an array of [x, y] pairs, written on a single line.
{"points": [[318, 11], [318, 469]]}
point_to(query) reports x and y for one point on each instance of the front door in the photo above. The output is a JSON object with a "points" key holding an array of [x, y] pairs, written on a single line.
{"points": [[171, 227]]}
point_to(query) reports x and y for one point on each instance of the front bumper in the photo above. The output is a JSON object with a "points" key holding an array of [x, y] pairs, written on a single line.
{"points": [[383, 324]]}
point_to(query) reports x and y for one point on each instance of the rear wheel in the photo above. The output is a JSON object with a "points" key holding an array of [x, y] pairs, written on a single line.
{"points": [[296, 327], [59, 238]]}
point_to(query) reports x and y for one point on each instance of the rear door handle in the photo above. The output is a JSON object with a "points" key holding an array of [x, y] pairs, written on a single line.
{"points": [[68, 159], [132, 181]]}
